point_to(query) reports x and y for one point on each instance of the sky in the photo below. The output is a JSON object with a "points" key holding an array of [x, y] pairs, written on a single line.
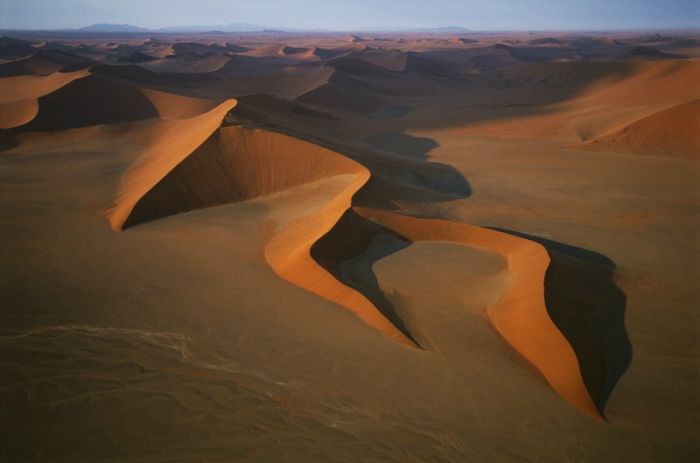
{"points": [[347, 15]]}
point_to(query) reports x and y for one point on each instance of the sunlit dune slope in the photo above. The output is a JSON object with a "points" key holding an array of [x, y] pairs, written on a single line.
{"points": [[630, 92], [674, 132], [164, 146], [19, 94], [236, 164], [521, 315]]}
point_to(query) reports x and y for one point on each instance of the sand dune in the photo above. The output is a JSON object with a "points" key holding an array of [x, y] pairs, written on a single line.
{"points": [[393, 60], [19, 95], [170, 106], [276, 49], [187, 63], [33, 86], [520, 316], [671, 132], [14, 49], [612, 96], [16, 113], [260, 245], [45, 62], [237, 164], [164, 147], [76, 105]]}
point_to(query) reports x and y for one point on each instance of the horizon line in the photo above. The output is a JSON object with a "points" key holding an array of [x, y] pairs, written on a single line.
{"points": [[265, 29]]}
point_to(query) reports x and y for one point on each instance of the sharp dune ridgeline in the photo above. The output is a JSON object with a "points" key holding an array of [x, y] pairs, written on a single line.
{"points": [[378, 247]]}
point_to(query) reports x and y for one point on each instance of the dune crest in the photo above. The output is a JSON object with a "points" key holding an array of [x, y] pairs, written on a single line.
{"points": [[168, 144], [237, 164], [19, 95], [171, 106], [521, 315]]}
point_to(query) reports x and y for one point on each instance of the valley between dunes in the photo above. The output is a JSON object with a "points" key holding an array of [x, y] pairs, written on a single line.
{"points": [[342, 248]]}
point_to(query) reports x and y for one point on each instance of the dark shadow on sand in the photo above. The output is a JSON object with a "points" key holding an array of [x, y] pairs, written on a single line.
{"points": [[589, 308], [348, 252]]}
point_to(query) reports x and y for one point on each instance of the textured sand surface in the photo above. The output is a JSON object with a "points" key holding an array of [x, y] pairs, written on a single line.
{"points": [[290, 247]]}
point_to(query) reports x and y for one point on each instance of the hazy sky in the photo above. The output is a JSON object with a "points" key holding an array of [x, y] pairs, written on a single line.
{"points": [[357, 14]]}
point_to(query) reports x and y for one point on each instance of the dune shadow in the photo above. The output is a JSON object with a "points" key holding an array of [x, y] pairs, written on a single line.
{"points": [[348, 252], [7, 143], [401, 168], [589, 309], [403, 171], [402, 144]]}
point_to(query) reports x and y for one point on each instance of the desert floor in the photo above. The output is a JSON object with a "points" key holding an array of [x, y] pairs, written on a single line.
{"points": [[286, 247]]}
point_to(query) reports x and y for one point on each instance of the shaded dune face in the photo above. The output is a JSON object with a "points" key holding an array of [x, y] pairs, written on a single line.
{"points": [[520, 316], [91, 101], [19, 95], [236, 164], [312, 251], [589, 309], [351, 238]]}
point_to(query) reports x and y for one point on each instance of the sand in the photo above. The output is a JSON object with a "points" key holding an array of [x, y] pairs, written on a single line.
{"points": [[290, 247]]}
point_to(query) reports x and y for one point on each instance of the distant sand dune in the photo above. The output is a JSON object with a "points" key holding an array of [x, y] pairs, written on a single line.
{"points": [[187, 63], [19, 94], [16, 113], [674, 132], [22, 87], [619, 94], [170, 106]]}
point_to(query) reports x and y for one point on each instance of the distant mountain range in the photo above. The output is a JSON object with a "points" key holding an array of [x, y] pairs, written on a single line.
{"points": [[235, 27], [112, 28], [128, 28]]}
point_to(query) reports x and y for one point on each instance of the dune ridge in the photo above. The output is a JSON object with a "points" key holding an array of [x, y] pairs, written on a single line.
{"points": [[19, 95], [521, 315], [165, 146], [237, 163]]}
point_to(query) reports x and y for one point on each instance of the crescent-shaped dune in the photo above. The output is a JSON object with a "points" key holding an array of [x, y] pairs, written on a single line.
{"points": [[521, 315], [164, 147], [22, 87], [89, 101], [19, 95], [236, 164]]}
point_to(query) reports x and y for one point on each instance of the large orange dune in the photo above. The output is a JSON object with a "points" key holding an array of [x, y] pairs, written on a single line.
{"points": [[238, 164]]}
